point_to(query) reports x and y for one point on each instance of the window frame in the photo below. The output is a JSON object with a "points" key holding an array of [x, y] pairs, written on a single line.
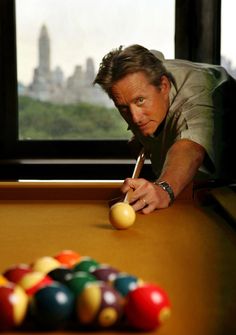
{"points": [[11, 146], [25, 159]]}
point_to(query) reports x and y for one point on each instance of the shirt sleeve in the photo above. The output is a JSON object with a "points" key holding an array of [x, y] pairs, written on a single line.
{"points": [[196, 123]]}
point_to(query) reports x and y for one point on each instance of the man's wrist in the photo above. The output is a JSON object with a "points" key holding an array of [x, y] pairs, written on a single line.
{"points": [[166, 187]]}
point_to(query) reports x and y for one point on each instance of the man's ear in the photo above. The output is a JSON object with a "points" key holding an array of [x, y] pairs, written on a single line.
{"points": [[165, 85]]}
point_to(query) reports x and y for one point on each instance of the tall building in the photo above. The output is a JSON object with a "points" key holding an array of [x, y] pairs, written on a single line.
{"points": [[44, 52], [41, 84], [50, 85]]}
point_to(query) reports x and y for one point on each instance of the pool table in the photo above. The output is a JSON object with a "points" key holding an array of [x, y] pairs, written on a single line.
{"points": [[188, 249]]}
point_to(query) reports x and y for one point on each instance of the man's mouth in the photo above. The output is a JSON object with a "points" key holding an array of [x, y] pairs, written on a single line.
{"points": [[143, 125]]}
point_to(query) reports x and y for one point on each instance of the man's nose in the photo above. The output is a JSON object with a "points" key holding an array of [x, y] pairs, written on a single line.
{"points": [[135, 114]]}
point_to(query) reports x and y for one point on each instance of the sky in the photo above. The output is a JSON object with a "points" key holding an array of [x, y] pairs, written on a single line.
{"points": [[90, 28]]}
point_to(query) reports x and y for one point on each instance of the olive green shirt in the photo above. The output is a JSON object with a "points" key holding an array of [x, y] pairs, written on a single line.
{"points": [[198, 104]]}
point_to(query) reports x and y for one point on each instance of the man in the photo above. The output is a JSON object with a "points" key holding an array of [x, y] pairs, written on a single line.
{"points": [[174, 109]]}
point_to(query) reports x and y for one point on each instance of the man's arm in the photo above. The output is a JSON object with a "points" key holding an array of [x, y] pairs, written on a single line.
{"points": [[182, 163]]}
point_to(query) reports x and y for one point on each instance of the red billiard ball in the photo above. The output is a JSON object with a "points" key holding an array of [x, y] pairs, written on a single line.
{"points": [[15, 272], [68, 258], [99, 306], [13, 306], [51, 307], [147, 307], [33, 281]]}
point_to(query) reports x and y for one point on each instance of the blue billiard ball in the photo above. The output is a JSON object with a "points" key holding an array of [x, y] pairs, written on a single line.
{"points": [[52, 306]]}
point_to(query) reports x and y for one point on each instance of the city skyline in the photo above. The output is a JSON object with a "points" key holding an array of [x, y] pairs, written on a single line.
{"points": [[49, 84], [75, 37], [83, 28]]}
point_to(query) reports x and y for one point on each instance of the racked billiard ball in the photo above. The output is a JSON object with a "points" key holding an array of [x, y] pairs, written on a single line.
{"points": [[86, 264], [13, 306], [68, 258], [99, 306], [33, 281], [52, 306], [124, 283], [60, 274], [3, 280], [147, 307], [105, 272], [122, 215], [45, 264], [77, 281], [16, 271]]}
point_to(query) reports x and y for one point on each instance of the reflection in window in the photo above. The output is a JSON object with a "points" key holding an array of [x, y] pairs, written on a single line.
{"points": [[59, 47], [228, 27]]}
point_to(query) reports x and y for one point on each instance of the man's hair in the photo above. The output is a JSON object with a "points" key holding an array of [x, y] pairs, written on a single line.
{"points": [[120, 62]]}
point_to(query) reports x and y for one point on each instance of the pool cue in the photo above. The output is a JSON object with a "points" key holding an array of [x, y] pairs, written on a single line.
{"points": [[137, 169]]}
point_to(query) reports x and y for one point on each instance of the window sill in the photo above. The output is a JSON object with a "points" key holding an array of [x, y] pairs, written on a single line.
{"points": [[100, 169]]}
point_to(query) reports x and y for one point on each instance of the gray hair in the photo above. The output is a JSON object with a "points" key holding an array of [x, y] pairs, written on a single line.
{"points": [[122, 61]]}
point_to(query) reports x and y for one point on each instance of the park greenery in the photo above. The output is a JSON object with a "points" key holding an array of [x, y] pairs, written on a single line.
{"points": [[47, 121]]}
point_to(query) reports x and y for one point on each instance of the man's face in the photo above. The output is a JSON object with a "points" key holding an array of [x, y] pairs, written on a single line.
{"points": [[140, 103]]}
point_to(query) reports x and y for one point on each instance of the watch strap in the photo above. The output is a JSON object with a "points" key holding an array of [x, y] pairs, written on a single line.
{"points": [[166, 187]]}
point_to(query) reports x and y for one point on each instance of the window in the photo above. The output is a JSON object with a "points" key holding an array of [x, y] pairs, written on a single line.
{"points": [[59, 48], [228, 26], [169, 26]]}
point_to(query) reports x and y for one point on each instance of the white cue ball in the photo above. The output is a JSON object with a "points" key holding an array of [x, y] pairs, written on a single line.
{"points": [[122, 215]]}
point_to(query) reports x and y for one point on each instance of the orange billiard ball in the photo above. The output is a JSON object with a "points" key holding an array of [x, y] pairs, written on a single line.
{"points": [[122, 215], [3, 280], [68, 258]]}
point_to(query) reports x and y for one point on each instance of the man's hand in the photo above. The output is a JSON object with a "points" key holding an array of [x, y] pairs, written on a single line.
{"points": [[146, 196], [181, 164]]}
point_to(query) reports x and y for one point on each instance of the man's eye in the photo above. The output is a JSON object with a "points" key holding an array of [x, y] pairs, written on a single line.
{"points": [[140, 100]]}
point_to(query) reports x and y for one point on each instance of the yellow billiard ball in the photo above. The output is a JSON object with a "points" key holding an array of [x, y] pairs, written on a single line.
{"points": [[122, 215]]}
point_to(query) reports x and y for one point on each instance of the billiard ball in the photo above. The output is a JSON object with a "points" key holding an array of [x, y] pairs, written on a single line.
{"points": [[77, 281], [68, 258], [99, 306], [3, 280], [86, 264], [13, 306], [15, 272], [52, 306], [147, 307], [122, 215], [60, 274], [45, 264], [124, 283], [105, 273], [33, 281]]}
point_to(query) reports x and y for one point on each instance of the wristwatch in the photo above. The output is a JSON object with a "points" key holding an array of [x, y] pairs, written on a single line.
{"points": [[166, 187]]}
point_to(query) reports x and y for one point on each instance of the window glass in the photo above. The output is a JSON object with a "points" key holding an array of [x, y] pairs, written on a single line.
{"points": [[59, 47], [228, 27]]}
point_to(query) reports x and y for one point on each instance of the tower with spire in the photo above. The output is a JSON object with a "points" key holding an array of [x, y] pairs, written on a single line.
{"points": [[44, 52], [50, 85]]}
